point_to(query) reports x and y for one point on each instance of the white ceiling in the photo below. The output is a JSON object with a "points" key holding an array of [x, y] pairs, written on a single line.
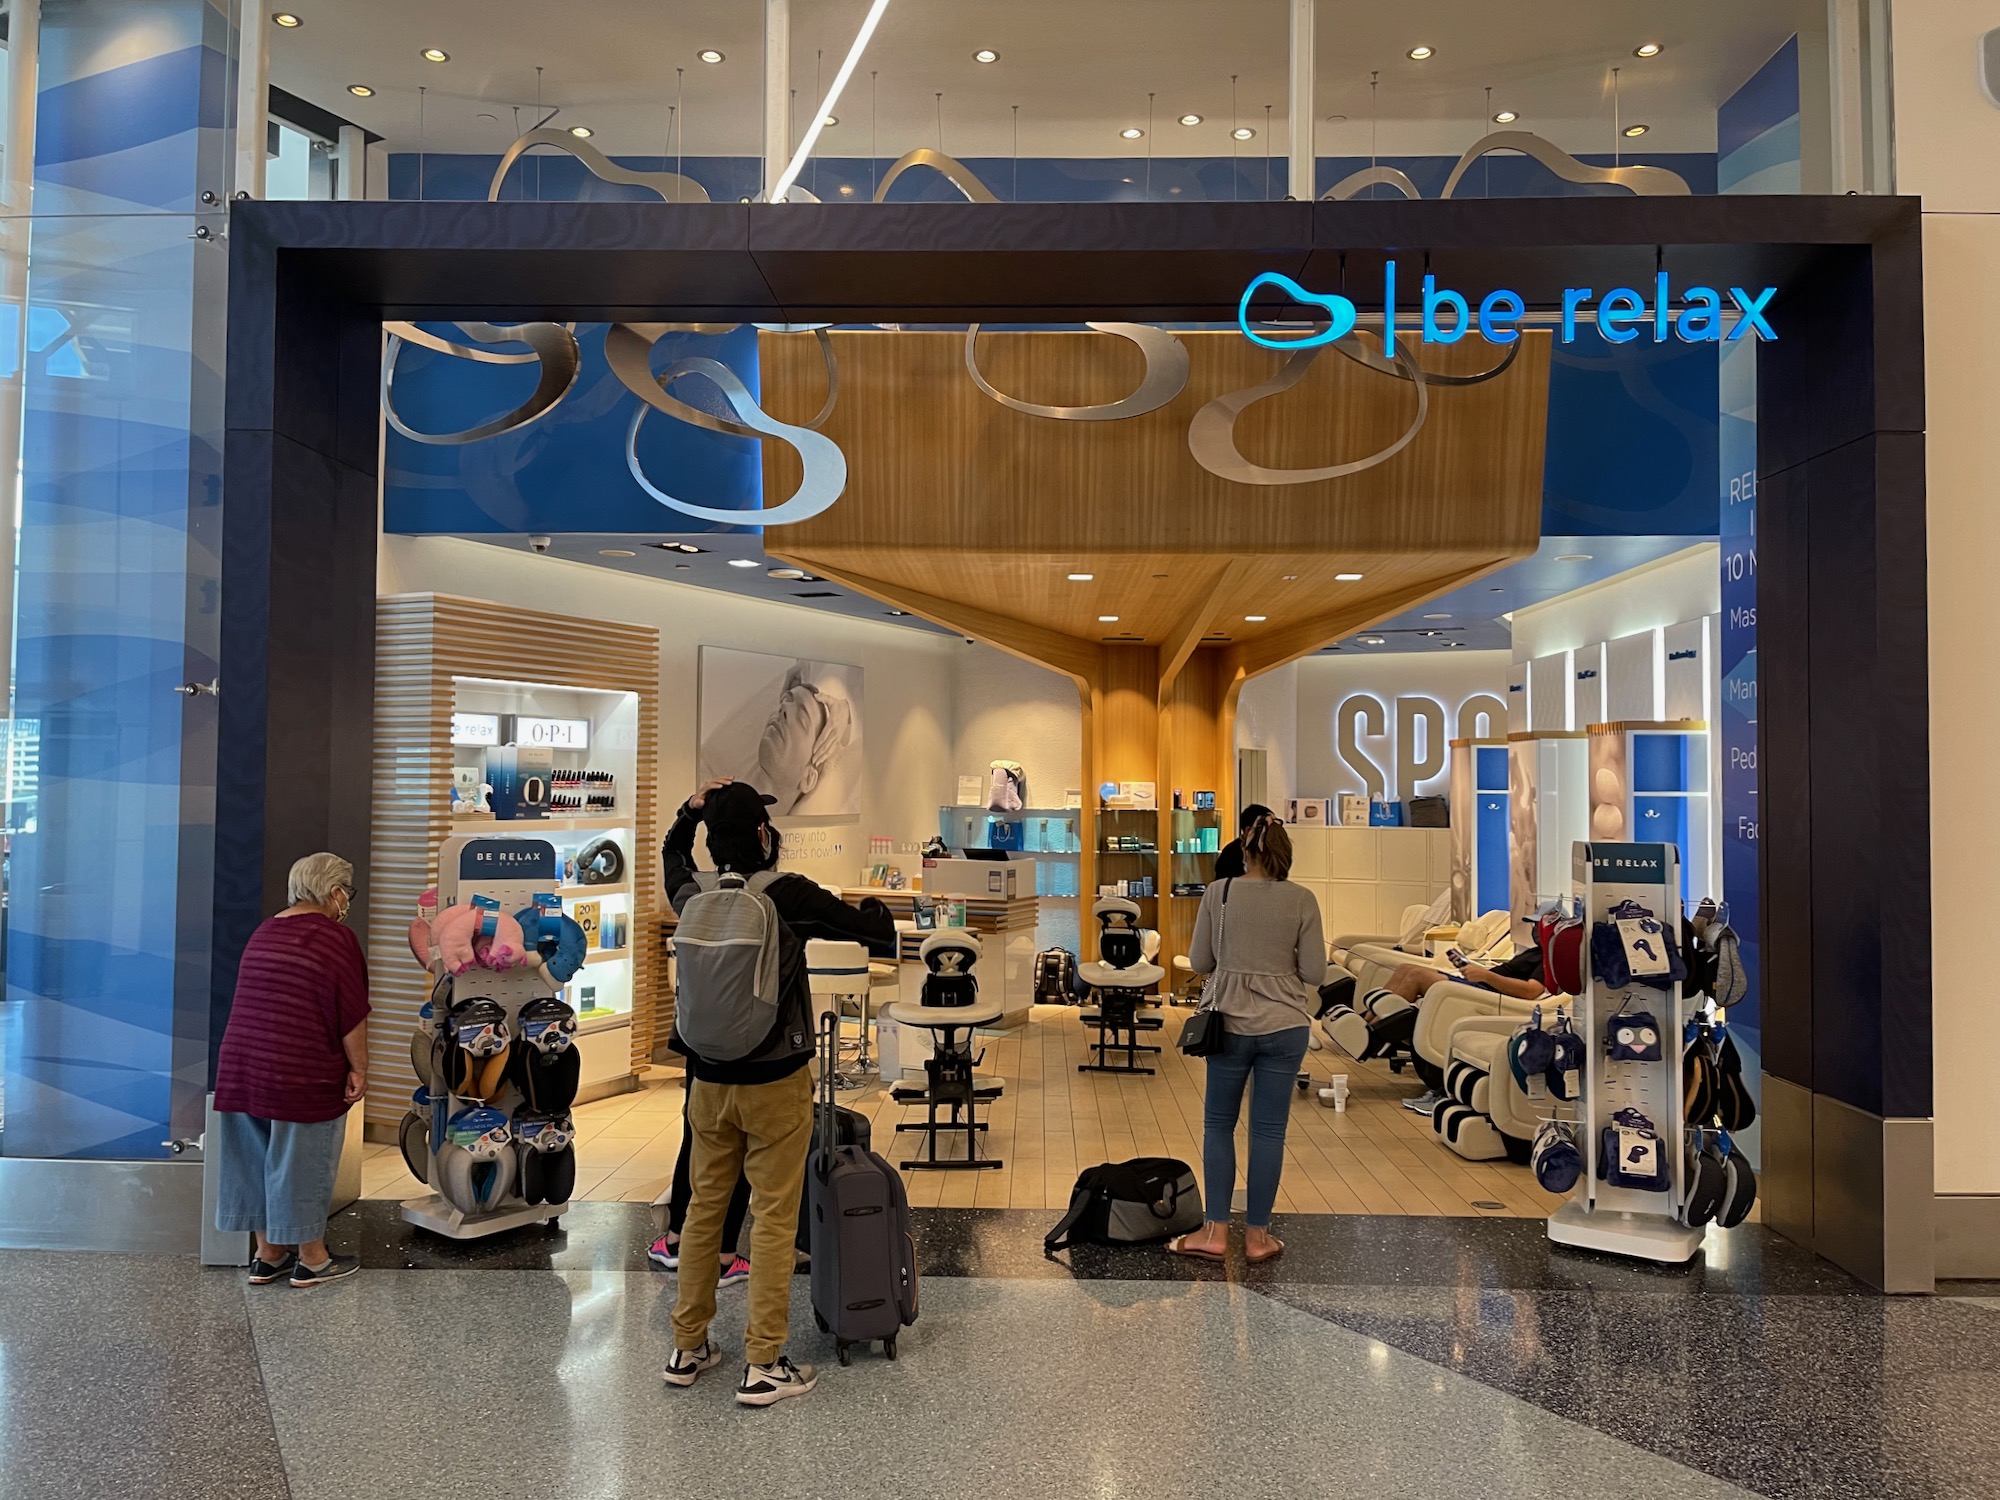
{"points": [[1080, 70]]}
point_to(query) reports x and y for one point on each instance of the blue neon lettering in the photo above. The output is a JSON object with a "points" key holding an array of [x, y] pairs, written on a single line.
{"points": [[1434, 299], [1619, 315], [1571, 299], [1492, 308], [1340, 313], [1613, 322], [1753, 313]]}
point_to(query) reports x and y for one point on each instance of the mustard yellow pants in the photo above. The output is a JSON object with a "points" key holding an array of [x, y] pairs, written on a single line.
{"points": [[762, 1131]]}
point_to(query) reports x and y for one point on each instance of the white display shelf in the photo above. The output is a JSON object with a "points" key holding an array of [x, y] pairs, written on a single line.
{"points": [[609, 1021], [530, 825], [606, 955], [594, 892]]}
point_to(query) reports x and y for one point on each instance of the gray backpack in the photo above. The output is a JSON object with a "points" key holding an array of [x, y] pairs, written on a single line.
{"points": [[727, 1002]]}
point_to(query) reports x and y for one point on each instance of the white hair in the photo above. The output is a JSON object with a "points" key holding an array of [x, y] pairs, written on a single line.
{"points": [[315, 878]]}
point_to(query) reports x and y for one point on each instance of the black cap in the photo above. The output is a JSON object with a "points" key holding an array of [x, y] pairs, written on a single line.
{"points": [[737, 805]]}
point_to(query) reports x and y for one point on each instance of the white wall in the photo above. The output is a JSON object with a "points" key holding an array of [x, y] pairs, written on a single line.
{"points": [[1004, 708], [1267, 719], [1683, 586], [1947, 136], [909, 688], [1324, 681]]}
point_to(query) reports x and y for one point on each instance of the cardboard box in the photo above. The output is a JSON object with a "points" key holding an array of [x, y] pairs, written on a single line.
{"points": [[1306, 812], [1353, 810], [973, 878]]}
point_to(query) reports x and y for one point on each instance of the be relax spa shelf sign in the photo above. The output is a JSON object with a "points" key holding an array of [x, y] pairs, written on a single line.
{"points": [[1444, 316]]}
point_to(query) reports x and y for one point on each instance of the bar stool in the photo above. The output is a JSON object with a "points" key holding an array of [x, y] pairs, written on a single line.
{"points": [[839, 974], [950, 1005]]}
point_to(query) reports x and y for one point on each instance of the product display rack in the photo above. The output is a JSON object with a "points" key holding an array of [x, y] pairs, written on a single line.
{"points": [[1050, 836], [1623, 1221], [531, 868], [1128, 849]]}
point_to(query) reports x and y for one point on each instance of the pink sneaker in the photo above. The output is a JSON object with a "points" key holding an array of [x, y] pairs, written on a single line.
{"points": [[665, 1253], [737, 1270]]}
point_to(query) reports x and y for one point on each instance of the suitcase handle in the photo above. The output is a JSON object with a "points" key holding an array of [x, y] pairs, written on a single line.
{"points": [[829, 1050]]}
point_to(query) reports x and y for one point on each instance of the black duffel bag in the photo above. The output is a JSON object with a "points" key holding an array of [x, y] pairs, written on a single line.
{"points": [[1136, 1202]]}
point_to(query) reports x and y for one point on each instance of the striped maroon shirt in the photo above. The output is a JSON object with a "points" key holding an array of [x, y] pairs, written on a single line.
{"points": [[301, 987]]}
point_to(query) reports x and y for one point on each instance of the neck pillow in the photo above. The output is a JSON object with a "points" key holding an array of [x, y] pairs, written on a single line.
{"points": [[1708, 1179], [478, 936], [556, 940], [1556, 1160], [1742, 1191], [548, 1081], [1632, 1036], [1567, 1056], [1734, 1108], [601, 862], [548, 1025], [1530, 1051], [413, 1136], [545, 1157], [476, 1163]]}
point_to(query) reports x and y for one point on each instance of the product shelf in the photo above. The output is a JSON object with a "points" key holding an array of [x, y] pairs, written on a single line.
{"points": [[529, 825]]}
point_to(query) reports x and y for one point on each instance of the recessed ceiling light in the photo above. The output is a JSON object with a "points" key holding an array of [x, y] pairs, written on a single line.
{"points": [[683, 565], [1081, 577], [830, 121], [1430, 632], [1291, 578], [287, 19], [1505, 117], [1243, 132], [1646, 49], [792, 573], [360, 91], [1418, 54], [1637, 129], [615, 552], [1131, 132], [1107, 619], [1572, 557], [847, 190], [709, 55], [436, 54], [689, 547], [1255, 619], [986, 55], [1373, 640], [898, 612], [742, 562], [581, 132], [1347, 578], [1437, 617], [1190, 119]]}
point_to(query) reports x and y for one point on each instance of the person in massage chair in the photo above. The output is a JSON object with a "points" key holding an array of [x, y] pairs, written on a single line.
{"points": [[1229, 863], [750, 1122], [1518, 978]]}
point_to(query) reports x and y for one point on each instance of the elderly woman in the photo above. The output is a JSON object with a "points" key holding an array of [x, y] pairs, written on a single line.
{"points": [[294, 1060]]}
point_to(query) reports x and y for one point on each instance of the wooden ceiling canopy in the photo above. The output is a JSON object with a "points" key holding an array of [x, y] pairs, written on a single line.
{"points": [[974, 516]]}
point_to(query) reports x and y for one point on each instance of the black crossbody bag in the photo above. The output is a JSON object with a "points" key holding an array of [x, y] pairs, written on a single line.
{"points": [[1205, 1032]]}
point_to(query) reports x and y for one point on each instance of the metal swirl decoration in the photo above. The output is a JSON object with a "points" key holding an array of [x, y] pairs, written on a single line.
{"points": [[671, 186], [1165, 378], [1212, 433], [552, 345], [628, 351], [955, 172], [823, 477], [1352, 184], [1646, 182], [1379, 362]]}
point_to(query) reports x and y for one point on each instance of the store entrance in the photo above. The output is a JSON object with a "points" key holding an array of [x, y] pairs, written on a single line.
{"points": [[1840, 519]]}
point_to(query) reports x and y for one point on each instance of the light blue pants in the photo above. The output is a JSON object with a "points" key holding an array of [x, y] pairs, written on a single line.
{"points": [[1269, 1066], [275, 1176]]}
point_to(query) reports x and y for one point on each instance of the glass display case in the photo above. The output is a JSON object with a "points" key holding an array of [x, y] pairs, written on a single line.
{"points": [[1051, 836]]}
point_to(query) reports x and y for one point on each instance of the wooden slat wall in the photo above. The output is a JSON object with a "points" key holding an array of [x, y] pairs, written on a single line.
{"points": [[423, 641]]}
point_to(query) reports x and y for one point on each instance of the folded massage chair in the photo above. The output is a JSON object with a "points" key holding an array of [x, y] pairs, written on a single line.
{"points": [[1123, 979]]}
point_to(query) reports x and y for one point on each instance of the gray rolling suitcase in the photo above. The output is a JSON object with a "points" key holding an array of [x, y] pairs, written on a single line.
{"points": [[864, 1263]]}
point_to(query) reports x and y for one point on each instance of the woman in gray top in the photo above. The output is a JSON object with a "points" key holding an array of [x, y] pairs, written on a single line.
{"points": [[1259, 936]]}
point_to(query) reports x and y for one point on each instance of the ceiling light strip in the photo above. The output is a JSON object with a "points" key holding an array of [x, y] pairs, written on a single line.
{"points": [[790, 175]]}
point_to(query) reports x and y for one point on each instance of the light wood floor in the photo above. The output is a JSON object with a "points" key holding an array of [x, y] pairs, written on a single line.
{"points": [[1374, 1158]]}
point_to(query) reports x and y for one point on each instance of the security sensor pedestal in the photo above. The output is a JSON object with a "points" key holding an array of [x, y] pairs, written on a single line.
{"points": [[1599, 1216]]}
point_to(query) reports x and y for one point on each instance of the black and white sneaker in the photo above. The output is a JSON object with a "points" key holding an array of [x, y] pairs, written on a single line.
{"points": [[336, 1267], [766, 1385], [264, 1272], [686, 1365], [1425, 1103]]}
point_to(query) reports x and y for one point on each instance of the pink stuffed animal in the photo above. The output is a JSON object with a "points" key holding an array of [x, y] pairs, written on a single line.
{"points": [[471, 937]]}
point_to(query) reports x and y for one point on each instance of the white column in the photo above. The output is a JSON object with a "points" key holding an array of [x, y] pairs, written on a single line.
{"points": [[353, 149], [777, 91], [1844, 92], [253, 85], [1300, 177]]}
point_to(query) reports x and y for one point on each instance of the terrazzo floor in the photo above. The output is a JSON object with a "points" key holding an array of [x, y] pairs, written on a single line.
{"points": [[1381, 1356]]}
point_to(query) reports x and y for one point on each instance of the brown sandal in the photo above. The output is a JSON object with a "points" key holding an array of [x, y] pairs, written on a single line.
{"points": [[1268, 1255], [1179, 1246]]}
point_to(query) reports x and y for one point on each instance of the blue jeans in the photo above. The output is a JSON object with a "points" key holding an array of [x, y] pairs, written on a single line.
{"points": [[275, 1176], [1273, 1061]]}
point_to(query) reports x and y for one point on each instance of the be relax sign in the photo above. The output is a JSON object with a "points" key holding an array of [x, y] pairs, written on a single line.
{"points": [[1693, 315]]}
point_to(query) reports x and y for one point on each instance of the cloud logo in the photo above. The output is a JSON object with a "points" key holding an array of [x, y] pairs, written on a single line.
{"points": [[1340, 313]]}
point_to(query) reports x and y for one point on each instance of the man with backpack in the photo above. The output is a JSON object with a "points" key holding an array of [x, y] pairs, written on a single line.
{"points": [[743, 1020]]}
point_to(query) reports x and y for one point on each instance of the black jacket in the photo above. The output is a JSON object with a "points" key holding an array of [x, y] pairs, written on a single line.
{"points": [[1229, 863], [809, 911]]}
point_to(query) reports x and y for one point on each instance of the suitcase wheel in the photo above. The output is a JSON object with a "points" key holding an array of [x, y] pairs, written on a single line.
{"points": [[889, 1347], [824, 1326], [840, 1352]]}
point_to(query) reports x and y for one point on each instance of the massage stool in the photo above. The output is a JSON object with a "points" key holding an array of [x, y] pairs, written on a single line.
{"points": [[950, 1008], [1123, 977]]}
